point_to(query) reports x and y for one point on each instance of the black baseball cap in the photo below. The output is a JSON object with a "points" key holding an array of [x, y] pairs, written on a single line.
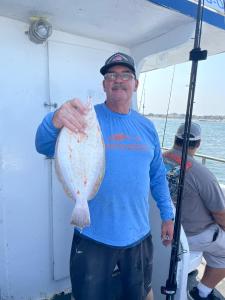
{"points": [[116, 59]]}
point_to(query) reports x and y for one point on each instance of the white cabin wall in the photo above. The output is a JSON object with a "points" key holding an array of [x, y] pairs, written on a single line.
{"points": [[26, 245], [3, 274], [25, 209]]}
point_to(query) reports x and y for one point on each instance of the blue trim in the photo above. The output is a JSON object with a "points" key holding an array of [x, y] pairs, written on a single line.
{"points": [[189, 9]]}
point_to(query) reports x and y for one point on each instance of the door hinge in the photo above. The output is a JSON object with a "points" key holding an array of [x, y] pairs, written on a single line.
{"points": [[54, 105]]}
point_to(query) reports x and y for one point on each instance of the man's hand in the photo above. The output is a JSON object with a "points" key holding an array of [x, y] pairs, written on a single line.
{"points": [[71, 115], [219, 217], [167, 232]]}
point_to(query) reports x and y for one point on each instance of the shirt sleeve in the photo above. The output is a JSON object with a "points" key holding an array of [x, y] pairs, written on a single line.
{"points": [[159, 185], [211, 192], [46, 136]]}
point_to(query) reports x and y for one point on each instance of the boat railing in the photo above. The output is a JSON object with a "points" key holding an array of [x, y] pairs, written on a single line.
{"points": [[204, 158]]}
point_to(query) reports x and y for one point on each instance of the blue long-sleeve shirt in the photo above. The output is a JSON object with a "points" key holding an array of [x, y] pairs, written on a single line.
{"points": [[120, 210]]}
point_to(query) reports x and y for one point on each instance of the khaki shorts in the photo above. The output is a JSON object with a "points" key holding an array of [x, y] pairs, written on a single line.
{"points": [[212, 243]]}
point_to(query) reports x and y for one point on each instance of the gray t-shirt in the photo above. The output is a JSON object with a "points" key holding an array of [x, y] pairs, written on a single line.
{"points": [[201, 195]]}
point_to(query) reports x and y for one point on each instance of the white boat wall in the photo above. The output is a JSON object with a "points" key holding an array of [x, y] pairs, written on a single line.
{"points": [[35, 234]]}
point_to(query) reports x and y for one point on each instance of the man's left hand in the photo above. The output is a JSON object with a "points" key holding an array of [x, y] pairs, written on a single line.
{"points": [[167, 232]]}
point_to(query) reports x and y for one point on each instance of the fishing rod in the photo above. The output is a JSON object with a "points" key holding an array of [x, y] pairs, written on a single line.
{"points": [[196, 55], [168, 106]]}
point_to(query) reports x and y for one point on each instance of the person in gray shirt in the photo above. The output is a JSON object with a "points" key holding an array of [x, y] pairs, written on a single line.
{"points": [[203, 210]]}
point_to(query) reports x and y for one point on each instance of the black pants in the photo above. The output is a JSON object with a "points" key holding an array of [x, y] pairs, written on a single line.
{"points": [[92, 265]]}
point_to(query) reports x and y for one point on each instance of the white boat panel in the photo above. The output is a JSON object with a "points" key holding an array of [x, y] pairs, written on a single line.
{"points": [[179, 51], [195, 260], [162, 259]]}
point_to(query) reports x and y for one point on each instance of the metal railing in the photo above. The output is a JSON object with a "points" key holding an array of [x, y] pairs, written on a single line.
{"points": [[213, 158], [204, 157]]}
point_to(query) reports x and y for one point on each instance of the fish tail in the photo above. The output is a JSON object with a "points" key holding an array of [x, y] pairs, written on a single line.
{"points": [[81, 215]]}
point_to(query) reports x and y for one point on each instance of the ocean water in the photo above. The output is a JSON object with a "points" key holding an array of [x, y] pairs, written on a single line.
{"points": [[213, 141]]}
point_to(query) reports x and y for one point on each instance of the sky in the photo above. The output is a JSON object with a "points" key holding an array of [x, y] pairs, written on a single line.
{"points": [[209, 92]]}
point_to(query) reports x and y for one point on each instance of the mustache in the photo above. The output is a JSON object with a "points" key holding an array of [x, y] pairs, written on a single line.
{"points": [[118, 86]]}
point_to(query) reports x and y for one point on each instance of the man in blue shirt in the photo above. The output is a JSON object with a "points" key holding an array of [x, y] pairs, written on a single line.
{"points": [[120, 234]]}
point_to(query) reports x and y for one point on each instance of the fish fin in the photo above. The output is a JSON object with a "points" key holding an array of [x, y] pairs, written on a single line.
{"points": [[81, 215]]}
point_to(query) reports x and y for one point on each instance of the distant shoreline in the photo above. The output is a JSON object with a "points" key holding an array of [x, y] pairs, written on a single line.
{"points": [[182, 116]]}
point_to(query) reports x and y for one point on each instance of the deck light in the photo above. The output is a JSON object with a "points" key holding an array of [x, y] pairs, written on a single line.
{"points": [[39, 31]]}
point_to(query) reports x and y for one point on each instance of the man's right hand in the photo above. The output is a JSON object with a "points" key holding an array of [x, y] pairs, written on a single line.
{"points": [[219, 217], [71, 115]]}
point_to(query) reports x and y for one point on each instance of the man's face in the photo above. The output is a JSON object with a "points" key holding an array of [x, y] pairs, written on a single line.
{"points": [[119, 85]]}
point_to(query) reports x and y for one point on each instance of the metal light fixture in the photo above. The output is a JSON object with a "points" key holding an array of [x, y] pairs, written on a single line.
{"points": [[39, 30]]}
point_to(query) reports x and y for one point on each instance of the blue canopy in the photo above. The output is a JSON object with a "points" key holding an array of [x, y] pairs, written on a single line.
{"points": [[214, 11]]}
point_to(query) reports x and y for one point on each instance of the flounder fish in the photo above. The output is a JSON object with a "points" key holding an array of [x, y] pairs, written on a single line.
{"points": [[80, 165]]}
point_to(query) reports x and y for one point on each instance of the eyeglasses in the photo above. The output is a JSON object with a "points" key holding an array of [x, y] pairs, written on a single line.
{"points": [[125, 76]]}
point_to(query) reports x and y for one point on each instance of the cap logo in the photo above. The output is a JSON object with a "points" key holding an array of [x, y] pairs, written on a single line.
{"points": [[118, 58]]}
